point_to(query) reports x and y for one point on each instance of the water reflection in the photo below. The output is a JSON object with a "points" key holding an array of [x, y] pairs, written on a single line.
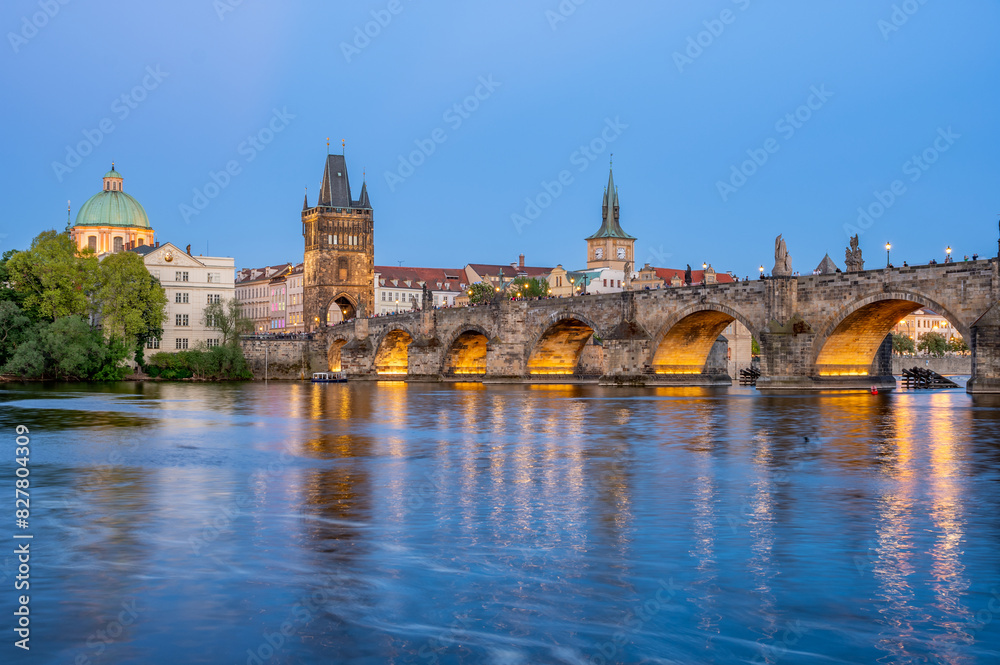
{"points": [[468, 523]]}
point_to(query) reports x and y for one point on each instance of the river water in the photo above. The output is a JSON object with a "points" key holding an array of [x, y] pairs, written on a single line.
{"points": [[394, 523]]}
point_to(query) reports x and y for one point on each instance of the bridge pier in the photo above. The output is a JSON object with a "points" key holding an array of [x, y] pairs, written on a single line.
{"points": [[985, 347]]}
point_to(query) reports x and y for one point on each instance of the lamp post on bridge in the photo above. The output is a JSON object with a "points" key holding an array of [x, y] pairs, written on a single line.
{"points": [[888, 246]]}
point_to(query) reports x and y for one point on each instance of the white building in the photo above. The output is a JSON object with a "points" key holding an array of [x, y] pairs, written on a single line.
{"points": [[400, 289], [191, 283]]}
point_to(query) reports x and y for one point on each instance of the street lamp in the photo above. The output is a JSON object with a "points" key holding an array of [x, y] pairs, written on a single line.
{"points": [[947, 254], [888, 246], [761, 272]]}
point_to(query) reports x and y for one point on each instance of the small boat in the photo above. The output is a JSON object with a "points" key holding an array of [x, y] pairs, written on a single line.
{"points": [[329, 377]]}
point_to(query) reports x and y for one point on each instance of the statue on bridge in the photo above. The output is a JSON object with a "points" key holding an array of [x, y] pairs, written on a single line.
{"points": [[782, 261], [687, 276], [852, 257]]}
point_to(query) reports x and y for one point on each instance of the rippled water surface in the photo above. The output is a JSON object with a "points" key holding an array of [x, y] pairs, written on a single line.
{"points": [[393, 523]]}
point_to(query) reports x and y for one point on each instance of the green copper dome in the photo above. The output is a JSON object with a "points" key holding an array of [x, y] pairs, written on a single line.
{"points": [[112, 207]]}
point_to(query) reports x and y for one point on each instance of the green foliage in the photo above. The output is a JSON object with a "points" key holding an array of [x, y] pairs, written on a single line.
{"points": [[529, 288], [68, 349], [6, 292], [933, 343], [227, 317], [902, 344], [132, 303], [14, 328], [52, 278], [958, 345], [224, 362], [481, 292], [754, 347]]}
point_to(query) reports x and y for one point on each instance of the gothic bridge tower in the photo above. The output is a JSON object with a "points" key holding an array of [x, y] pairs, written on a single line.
{"points": [[339, 251]]}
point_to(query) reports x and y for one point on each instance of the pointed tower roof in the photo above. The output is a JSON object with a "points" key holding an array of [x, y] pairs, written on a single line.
{"points": [[827, 266], [363, 201], [335, 191], [305, 202], [610, 228]]}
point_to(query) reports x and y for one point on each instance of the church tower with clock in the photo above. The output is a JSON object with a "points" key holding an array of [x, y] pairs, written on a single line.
{"points": [[610, 247]]}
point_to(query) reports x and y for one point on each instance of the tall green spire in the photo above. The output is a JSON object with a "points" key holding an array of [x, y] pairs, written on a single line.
{"points": [[610, 228]]}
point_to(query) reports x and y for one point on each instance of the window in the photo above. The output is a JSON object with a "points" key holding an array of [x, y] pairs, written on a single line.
{"points": [[180, 319], [118, 244], [605, 282], [180, 276], [152, 343], [213, 278], [214, 297], [180, 297], [181, 343], [211, 342], [92, 243]]}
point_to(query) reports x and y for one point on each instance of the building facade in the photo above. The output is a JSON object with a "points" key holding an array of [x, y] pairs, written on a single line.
{"points": [[111, 220], [191, 283], [924, 321], [400, 289], [339, 261], [253, 292]]}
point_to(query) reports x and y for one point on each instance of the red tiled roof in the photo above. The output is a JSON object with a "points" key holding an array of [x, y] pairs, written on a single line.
{"points": [[435, 278], [697, 276]]}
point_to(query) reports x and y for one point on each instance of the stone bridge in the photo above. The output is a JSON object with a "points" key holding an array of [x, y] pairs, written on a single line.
{"points": [[815, 332]]}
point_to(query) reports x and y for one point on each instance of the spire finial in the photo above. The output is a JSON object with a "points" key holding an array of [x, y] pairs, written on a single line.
{"points": [[328, 145], [112, 166], [611, 163], [343, 146]]}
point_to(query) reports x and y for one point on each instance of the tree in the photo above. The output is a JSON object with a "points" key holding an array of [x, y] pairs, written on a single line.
{"points": [[14, 327], [957, 345], [902, 344], [131, 302], [227, 317], [7, 293], [52, 277], [933, 343], [529, 288], [68, 348], [754, 347], [481, 292]]}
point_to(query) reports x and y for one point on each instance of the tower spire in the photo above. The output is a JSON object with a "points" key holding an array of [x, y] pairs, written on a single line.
{"points": [[305, 202], [328, 145]]}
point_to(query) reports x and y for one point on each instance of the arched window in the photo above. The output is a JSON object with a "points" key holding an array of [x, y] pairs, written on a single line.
{"points": [[118, 245], [92, 243]]}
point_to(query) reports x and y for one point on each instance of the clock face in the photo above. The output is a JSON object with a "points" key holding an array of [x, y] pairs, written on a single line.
{"points": [[599, 253], [621, 252]]}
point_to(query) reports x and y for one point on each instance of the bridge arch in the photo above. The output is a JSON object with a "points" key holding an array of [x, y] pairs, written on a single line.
{"points": [[848, 341], [341, 307], [558, 346], [466, 352], [333, 354], [392, 352], [683, 343]]}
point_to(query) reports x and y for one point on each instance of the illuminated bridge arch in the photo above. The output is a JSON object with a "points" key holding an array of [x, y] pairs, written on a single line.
{"points": [[392, 357], [467, 352], [557, 349], [333, 354], [848, 342], [683, 343]]}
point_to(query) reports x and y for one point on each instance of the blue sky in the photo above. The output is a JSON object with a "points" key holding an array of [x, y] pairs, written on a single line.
{"points": [[683, 94]]}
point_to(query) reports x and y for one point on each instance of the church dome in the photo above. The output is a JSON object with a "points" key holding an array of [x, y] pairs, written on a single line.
{"points": [[112, 206]]}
